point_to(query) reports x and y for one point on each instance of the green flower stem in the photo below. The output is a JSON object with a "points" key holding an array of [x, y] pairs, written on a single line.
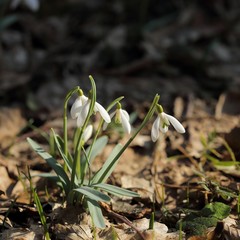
{"points": [[151, 222], [77, 155], [75, 138], [65, 136], [89, 167], [96, 135], [112, 104], [145, 121], [87, 163]]}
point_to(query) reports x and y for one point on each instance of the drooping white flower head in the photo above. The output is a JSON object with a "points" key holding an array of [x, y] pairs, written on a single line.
{"points": [[81, 108], [162, 123], [79, 102], [121, 117], [31, 4]]}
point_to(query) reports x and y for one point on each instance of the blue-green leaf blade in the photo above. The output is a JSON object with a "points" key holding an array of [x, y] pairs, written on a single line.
{"points": [[52, 162], [118, 191], [97, 148], [108, 167], [92, 193], [96, 213]]}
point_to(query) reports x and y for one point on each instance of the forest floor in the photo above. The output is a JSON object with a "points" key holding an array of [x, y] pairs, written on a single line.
{"points": [[190, 56]]}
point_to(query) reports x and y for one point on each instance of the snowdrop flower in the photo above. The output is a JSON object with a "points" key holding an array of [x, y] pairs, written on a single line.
{"points": [[79, 102], [162, 123], [31, 4], [121, 117], [81, 108], [87, 133]]}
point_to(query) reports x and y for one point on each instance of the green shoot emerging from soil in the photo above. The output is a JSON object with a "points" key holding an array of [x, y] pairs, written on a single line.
{"points": [[79, 184]]}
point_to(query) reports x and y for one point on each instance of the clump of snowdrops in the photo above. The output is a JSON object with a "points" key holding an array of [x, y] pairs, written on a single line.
{"points": [[79, 184]]}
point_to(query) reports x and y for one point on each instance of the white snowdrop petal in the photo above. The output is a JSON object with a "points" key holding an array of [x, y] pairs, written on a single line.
{"points": [[125, 123], [125, 113], [155, 129], [87, 133], [99, 108], [75, 108], [84, 99], [83, 114], [105, 124], [80, 121], [176, 124], [85, 110], [164, 118]]}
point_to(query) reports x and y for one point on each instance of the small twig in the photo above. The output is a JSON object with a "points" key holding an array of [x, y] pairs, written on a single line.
{"points": [[122, 218]]}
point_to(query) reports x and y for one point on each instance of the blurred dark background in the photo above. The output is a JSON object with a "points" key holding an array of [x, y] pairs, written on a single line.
{"points": [[134, 48]]}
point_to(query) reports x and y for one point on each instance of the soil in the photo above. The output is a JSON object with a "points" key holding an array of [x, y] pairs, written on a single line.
{"points": [[188, 52]]}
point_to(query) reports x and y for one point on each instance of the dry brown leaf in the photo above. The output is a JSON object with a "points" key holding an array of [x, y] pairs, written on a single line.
{"points": [[232, 139], [5, 179], [205, 125], [11, 123], [5, 222], [143, 225], [122, 230], [73, 231], [226, 229], [143, 186], [20, 234], [160, 231], [173, 236], [231, 233], [197, 238]]}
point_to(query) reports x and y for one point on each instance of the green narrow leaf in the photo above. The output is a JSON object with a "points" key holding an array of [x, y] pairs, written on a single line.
{"points": [[54, 178], [58, 140], [229, 149], [61, 143], [41, 214], [97, 148], [53, 163], [108, 167], [96, 213], [116, 190], [203, 141], [93, 194]]}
